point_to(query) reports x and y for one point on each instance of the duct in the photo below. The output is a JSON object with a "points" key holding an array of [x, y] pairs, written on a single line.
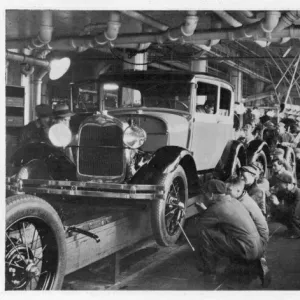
{"points": [[45, 33], [145, 19], [287, 20], [257, 97], [27, 69], [247, 13], [227, 18], [26, 59], [37, 84]]}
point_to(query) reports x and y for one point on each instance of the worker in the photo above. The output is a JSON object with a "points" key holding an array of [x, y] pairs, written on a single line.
{"points": [[285, 204], [284, 137], [225, 229], [250, 176], [278, 167], [62, 115], [279, 153], [207, 108], [262, 181], [235, 188], [37, 130], [247, 135]]}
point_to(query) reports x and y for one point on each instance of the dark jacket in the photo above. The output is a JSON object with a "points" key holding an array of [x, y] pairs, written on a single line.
{"points": [[231, 217], [34, 132], [256, 215], [258, 195]]}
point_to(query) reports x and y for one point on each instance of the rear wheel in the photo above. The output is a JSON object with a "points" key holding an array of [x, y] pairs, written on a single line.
{"points": [[168, 213], [35, 247]]}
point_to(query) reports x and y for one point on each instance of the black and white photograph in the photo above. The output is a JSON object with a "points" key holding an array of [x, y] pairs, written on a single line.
{"points": [[151, 149]]}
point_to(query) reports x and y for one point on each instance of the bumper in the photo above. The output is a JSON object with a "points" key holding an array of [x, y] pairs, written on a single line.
{"points": [[88, 189]]}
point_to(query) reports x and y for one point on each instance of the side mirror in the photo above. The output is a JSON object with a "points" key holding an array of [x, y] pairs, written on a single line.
{"points": [[60, 135]]}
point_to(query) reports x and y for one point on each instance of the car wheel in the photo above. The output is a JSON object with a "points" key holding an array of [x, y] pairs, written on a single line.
{"points": [[168, 213], [35, 247]]}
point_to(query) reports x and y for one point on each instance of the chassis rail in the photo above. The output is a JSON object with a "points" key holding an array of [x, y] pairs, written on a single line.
{"points": [[89, 189]]}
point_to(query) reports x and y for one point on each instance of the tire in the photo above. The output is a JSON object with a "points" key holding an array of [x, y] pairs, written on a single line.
{"points": [[35, 247], [261, 157], [166, 231]]}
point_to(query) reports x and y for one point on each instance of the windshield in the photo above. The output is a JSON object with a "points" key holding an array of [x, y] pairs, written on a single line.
{"points": [[170, 95]]}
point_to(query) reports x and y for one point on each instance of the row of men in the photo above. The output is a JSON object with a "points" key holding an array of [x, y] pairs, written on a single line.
{"points": [[234, 223]]}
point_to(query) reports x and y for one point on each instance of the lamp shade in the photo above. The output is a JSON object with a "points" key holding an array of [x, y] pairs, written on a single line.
{"points": [[58, 67]]}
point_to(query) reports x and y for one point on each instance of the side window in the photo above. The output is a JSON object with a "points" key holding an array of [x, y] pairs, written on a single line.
{"points": [[225, 101], [206, 100]]}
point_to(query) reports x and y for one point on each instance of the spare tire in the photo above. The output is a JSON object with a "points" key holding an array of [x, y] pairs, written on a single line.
{"points": [[167, 213], [35, 247]]}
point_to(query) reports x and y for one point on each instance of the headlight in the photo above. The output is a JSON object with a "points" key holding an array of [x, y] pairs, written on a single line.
{"points": [[60, 135], [134, 137]]}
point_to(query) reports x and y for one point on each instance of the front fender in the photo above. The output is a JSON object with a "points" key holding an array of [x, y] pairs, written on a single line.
{"points": [[164, 161], [58, 164], [34, 169]]}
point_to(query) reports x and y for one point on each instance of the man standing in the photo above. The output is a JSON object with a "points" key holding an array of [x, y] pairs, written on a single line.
{"points": [[226, 229], [37, 131]]}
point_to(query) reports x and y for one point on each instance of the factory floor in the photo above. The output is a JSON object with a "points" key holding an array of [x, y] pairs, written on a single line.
{"points": [[156, 268]]}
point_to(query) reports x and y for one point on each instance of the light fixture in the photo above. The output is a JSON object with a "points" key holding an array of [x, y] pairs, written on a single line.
{"points": [[110, 87], [58, 67]]}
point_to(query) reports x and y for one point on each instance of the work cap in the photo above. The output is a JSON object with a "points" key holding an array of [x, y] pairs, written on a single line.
{"points": [[215, 186], [247, 127], [269, 125], [285, 177], [43, 110], [252, 169], [62, 110], [278, 151]]}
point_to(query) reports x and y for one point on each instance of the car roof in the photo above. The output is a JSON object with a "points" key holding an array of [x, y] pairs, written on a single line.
{"points": [[128, 75]]}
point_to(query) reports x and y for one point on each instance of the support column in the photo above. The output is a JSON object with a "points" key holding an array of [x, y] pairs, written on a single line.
{"points": [[236, 79]]}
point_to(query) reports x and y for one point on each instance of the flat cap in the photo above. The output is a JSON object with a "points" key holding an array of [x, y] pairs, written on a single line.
{"points": [[215, 186], [278, 151], [43, 110], [252, 169], [269, 125], [285, 177]]}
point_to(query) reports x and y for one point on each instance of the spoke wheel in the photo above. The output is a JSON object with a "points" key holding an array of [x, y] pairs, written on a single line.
{"points": [[34, 245], [167, 214]]}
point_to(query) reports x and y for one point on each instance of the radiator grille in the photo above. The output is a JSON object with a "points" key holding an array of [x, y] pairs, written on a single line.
{"points": [[101, 151]]}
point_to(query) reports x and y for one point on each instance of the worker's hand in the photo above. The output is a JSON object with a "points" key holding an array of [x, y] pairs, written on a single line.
{"points": [[274, 200]]}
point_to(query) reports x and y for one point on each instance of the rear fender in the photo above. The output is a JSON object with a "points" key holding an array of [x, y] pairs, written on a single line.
{"points": [[234, 149], [164, 161], [257, 146]]}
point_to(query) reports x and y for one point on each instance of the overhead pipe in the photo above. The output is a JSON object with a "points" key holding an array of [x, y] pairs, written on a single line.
{"points": [[287, 19], [45, 33], [75, 43], [228, 18], [145, 19], [27, 59]]}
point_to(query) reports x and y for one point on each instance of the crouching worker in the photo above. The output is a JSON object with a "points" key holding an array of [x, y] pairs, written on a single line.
{"points": [[285, 204], [226, 229]]}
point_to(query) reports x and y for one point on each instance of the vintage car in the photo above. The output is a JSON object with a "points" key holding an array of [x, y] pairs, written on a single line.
{"points": [[154, 138]]}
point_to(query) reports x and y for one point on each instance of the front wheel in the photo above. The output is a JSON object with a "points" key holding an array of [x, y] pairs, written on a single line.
{"points": [[168, 213], [35, 247]]}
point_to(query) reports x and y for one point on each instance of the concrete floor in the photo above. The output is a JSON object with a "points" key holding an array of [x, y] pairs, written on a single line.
{"points": [[155, 268]]}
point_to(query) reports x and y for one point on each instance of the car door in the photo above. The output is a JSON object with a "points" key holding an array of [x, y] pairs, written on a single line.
{"points": [[204, 129]]}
